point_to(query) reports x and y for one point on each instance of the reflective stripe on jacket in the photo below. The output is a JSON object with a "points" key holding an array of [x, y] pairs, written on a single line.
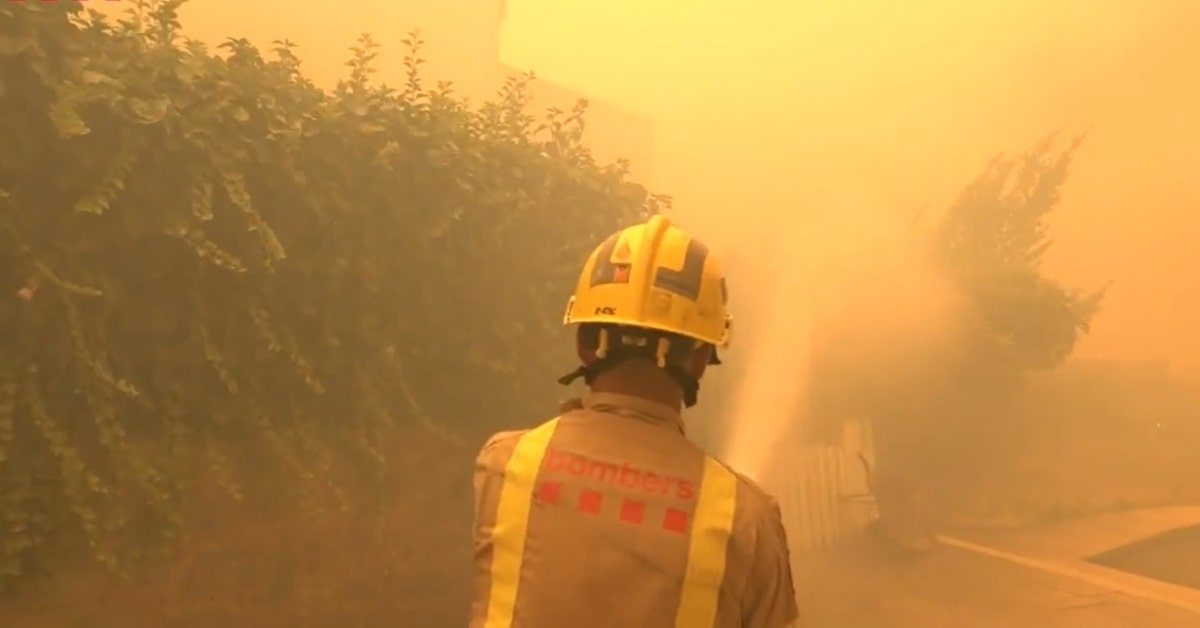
{"points": [[609, 516]]}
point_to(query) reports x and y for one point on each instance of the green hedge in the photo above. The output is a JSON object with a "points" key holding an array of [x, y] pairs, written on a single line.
{"points": [[205, 259]]}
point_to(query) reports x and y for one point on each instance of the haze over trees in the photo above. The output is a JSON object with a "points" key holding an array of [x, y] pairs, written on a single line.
{"points": [[226, 277], [944, 402], [231, 300]]}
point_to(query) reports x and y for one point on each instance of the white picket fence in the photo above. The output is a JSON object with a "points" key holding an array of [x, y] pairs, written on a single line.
{"points": [[824, 491]]}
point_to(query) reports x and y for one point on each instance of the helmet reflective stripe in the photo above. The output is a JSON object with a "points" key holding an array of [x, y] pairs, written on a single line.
{"points": [[655, 276]]}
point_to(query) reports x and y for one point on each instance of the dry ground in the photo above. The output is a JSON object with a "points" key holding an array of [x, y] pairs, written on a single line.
{"points": [[856, 586]]}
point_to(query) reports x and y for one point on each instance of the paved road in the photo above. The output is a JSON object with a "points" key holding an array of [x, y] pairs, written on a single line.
{"points": [[856, 587]]}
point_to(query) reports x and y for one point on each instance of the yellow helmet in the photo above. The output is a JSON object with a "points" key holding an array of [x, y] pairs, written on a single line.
{"points": [[654, 276]]}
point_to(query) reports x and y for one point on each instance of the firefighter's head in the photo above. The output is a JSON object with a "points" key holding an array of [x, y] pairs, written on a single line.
{"points": [[650, 292]]}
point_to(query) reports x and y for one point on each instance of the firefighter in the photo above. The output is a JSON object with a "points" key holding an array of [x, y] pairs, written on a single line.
{"points": [[608, 516]]}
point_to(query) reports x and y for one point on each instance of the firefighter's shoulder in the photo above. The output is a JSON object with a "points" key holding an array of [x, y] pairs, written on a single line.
{"points": [[498, 448], [752, 497]]}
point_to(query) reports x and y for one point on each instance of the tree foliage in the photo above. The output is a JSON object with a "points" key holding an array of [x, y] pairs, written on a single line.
{"points": [[945, 396], [992, 241], [211, 267]]}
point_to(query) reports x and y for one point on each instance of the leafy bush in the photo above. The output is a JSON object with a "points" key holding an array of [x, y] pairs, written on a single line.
{"points": [[991, 244], [992, 241], [208, 263], [946, 397]]}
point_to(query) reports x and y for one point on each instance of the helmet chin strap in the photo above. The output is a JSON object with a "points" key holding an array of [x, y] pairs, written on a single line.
{"points": [[688, 385], [614, 344]]}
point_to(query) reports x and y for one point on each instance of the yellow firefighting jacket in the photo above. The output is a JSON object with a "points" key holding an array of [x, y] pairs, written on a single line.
{"points": [[609, 517]]}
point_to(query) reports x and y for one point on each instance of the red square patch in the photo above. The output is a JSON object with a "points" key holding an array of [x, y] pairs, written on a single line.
{"points": [[590, 501], [675, 520], [632, 510], [549, 491]]}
